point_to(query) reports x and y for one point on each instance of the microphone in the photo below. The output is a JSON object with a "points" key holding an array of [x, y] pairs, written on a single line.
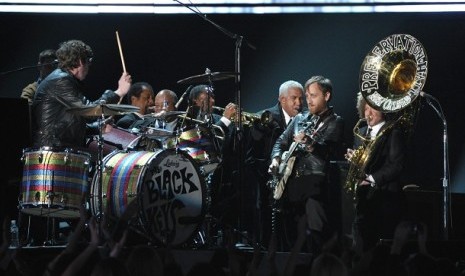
{"points": [[183, 96]]}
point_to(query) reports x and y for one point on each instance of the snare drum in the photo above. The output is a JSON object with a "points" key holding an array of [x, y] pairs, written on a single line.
{"points": [[54, 182], [167, 186]]}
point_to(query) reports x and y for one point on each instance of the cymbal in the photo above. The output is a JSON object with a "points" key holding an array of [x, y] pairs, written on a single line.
{"points": [[213, 76], [164, 115], [96, 110]]}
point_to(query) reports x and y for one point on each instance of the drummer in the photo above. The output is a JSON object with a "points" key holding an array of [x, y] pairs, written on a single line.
{"points": [[140, 95], [54, 125]]}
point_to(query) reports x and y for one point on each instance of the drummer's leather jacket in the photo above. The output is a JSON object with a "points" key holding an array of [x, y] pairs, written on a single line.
{"points": [[53, 125], [326, 132]]}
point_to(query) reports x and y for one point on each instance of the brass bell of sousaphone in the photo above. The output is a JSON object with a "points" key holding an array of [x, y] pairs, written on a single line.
{"points": [[391, 78], [393, 73]]}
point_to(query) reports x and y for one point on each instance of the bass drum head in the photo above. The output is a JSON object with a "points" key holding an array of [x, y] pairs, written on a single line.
{"points": [[172, 197]]}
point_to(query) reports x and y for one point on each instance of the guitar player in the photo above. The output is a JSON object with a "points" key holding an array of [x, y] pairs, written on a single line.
{"points": [[314, 137]]}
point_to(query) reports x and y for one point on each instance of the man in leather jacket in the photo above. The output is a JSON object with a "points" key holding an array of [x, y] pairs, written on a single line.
{"points": [[54, 125], [318, 135]]}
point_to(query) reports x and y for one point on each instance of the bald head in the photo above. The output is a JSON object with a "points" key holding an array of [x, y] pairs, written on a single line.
{"points": [[165, 100]]}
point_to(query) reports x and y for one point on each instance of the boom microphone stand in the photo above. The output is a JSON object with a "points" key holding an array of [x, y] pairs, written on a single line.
{"points": [[239, 131], [445, 179]]}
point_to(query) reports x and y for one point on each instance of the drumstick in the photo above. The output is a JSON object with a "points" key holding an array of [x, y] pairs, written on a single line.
{"points": [[120, 51], [122, 57]]}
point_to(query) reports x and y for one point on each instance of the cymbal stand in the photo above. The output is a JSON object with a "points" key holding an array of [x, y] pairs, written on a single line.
{"points": [[100, 124]]}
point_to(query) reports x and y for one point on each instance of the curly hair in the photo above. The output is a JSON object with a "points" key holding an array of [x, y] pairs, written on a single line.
{"points": [[71, 52]]}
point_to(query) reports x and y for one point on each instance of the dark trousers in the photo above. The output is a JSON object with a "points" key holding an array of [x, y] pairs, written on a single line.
{"points": [[305, 195], [377, 214]]}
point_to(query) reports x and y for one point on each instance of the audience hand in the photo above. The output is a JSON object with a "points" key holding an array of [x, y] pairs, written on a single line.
{"points": [[401, 234]]}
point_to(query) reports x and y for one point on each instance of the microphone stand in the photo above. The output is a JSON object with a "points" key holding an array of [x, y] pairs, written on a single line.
{"points": [[237, 138], [445, 179], [28, 67]]}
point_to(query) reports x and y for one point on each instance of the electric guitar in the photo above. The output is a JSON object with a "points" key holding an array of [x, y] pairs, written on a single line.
{"points": [[279, 180]]}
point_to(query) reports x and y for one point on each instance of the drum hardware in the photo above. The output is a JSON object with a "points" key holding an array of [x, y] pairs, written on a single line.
{"points": [[185, 117], [50, 196], [64, 199], [164, 115]]}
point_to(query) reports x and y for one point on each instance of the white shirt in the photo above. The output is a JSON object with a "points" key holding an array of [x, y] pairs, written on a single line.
{"points": [[286, 117], [375, 129]]}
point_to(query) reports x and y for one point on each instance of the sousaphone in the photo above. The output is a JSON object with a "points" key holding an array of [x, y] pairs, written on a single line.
{"points": [[393, 73], [391, 78]]}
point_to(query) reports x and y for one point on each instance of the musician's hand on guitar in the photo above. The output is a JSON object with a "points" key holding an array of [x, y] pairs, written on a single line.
{"points": [[273, 168], [301, 138]]}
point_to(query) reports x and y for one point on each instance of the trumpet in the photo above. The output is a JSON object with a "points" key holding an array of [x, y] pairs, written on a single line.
{"points": [[249, 118]]}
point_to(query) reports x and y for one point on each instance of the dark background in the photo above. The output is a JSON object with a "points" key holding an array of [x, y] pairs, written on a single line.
{"points": [[162, 49]]}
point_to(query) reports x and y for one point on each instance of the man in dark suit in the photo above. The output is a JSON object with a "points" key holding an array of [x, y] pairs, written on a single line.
{"points": [[261, 138], [379, 196]]}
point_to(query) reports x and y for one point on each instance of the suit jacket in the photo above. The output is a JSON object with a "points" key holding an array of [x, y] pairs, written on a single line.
{"points": [[387, 158], [261, 138], [128, 120]]}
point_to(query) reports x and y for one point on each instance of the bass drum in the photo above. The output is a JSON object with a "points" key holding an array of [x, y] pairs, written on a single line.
{"points": [[167, 186]]}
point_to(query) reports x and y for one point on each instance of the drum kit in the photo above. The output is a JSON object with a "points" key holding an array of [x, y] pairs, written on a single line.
{"points": [[167, 173]]}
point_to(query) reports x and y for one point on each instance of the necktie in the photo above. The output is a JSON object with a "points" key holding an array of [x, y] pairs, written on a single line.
{"points": [[368, 136], [290, 120]]}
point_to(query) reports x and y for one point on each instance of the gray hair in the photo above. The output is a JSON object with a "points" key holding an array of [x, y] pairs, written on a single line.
{"points": [[285, 86]]}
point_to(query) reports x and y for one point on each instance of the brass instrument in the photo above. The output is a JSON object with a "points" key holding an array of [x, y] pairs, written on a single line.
{"points": [[391, 78], [249, 118]]}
